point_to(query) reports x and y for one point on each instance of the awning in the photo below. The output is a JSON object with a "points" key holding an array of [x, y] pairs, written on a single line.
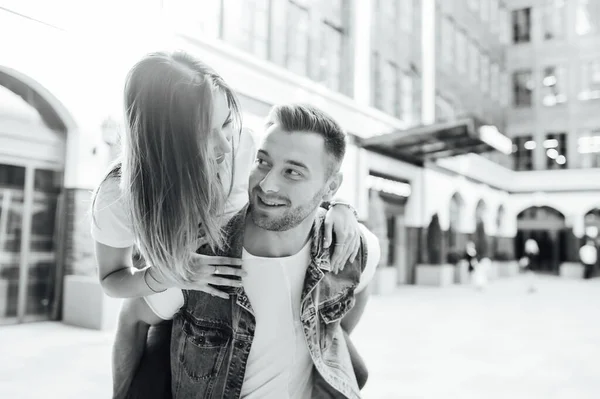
{"points": [[441, 140]]}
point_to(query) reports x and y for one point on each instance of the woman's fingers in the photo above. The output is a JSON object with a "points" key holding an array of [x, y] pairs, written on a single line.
{"points": [[199, 259], [215, 292], [223, 281], [226, 270]]}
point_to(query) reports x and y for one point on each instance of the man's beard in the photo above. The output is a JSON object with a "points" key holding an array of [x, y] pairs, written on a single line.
{"points": [[289, 219]]}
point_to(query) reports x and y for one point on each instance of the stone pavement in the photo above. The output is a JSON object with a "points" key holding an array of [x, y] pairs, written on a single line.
{"points": [[420, 342]]}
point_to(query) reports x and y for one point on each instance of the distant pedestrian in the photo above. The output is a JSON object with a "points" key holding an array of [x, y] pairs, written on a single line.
{"points": [[532, 255], [471, 256], [588, 255]]}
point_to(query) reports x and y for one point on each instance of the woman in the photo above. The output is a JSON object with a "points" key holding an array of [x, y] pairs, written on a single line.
{"points": [[181, 147]]}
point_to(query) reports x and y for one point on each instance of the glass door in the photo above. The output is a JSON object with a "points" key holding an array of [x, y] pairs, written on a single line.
{"points": [[12, 205]]}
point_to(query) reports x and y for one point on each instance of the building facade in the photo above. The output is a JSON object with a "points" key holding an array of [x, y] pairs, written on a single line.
{"points": [[382, 68]]}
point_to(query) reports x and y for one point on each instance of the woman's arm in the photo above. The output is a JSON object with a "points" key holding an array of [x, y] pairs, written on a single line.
{"points": [[119, 278]]}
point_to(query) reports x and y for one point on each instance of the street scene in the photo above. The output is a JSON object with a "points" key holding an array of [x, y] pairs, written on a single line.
{"points": [[314, 191], [430, 344]]}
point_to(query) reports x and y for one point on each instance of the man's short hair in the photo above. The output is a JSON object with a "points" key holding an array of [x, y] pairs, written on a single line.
{"points": [[307, 118]]}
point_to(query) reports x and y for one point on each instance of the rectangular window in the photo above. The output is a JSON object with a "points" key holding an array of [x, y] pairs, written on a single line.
{"points": [[521, 24], [246, 25], [376, 81], [494, 15], [485, 10], [553, 19], [522, 88], [409, 101], [330, 65], [504, 89], [555, 147], [503, 25], [590, 80], [523, 148], [587, 17], [588, 148], [485, 73], [390, 88], [297, 37], [447, 41], [495, 81], [554, 86], [461, 51], [474, 62], [406, 15]]}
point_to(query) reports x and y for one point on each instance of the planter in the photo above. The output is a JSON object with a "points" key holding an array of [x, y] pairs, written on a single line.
{"points": [[461, 272], [3, 297], [508, 268], [571, 270], [435, 275], [385, 280], [86, 305]]}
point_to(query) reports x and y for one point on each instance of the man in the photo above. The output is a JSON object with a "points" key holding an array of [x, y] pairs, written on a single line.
{"points": [[588, 256], [284, 333]]}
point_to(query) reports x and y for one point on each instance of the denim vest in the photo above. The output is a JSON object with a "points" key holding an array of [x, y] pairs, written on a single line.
{"points": [[212, 337]]}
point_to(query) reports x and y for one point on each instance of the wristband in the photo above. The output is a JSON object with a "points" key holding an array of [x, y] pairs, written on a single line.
{"points": [[148, 285]]}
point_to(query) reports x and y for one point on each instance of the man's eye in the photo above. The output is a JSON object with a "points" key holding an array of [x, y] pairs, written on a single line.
{"points": [[294, 173], [227, 122]]}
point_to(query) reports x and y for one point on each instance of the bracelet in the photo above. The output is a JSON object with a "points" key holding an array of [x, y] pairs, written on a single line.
{"points": [[148, 285], [334, 203]]}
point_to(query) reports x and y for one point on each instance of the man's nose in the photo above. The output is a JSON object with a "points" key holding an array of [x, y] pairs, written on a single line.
{"points": [[269, 183]]}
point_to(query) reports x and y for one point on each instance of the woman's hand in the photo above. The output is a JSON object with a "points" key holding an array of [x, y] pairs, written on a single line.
{"points": [[341, 220], [210, 271]]}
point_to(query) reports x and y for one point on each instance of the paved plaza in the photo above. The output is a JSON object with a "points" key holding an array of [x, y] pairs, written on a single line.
{"points": [[420, 342]]}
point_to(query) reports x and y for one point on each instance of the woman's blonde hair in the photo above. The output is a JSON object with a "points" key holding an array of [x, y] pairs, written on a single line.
{"points": [[168, 174]]}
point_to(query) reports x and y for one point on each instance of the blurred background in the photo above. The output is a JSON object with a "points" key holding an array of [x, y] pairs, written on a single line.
{"points": [[469, 121]]}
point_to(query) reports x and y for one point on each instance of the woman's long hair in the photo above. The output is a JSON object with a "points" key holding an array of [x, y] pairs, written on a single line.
{"points": [[169, 176]]}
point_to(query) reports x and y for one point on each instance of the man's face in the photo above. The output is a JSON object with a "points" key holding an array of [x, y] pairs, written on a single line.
{"points": [[289, 179]]}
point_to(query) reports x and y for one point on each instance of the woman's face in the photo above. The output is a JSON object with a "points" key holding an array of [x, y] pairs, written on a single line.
{"points": [[221, 130]]}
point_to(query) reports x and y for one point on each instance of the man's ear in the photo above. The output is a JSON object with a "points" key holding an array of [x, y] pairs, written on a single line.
{"points": [[333, 186]]}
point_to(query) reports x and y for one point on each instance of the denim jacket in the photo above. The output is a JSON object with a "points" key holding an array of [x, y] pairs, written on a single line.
{"points": [[212, 337]]}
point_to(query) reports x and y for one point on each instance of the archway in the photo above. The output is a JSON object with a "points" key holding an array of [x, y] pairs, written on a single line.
{"points": [[547, 226], [480, 236], [32, 155], [456, 241]]}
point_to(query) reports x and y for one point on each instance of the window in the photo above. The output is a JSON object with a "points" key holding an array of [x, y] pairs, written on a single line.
{"points": [[473, 5], [447, 41], [406, 15], [485, 73], [555, 147], [495, 81], [473, 62], [376, 80], [332, 42], [494, 15], [297, 37], [390, 88], [521, 23], [588, 148], [408, 101], [587, 17], [504, 24], [246, 25], [485, 10], [553, 19], [504, 89], [523, 148], [522, 88], [554, 86], [590, 80], [461, 51]]}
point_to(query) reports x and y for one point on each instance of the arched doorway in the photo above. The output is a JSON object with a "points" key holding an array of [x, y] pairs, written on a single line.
{"points": [[32, 156], [456, 241], [547, 226], [480, 236]]}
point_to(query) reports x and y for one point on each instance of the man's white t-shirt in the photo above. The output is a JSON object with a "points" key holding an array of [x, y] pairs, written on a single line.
{"points": [[279, 364]]}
